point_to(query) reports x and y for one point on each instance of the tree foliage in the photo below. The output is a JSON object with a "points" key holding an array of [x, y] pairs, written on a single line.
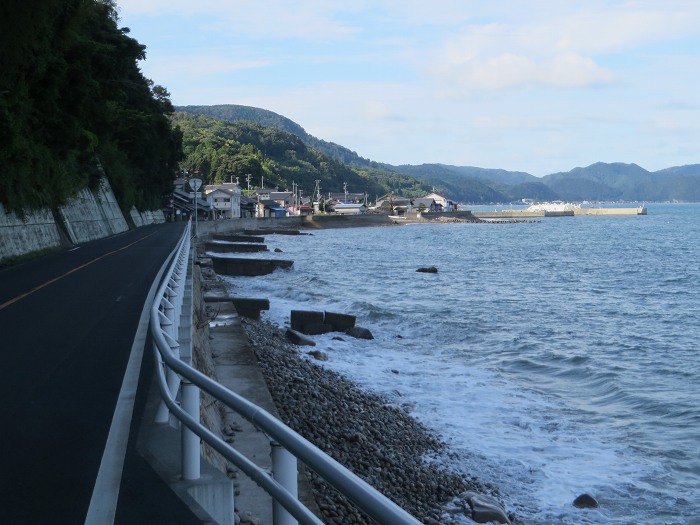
{"points": [[72, 98], [222, 151]]}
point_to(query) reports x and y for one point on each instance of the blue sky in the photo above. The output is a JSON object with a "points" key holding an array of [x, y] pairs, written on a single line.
{"points": [[539, 86]]}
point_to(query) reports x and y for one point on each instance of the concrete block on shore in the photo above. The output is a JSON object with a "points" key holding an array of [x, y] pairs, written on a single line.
{"points": [[248, 267], [340, 322], [316, 323], [300, 319], [318, 329], [250, 307], [237, 238], [272, 231], [233, 247]]}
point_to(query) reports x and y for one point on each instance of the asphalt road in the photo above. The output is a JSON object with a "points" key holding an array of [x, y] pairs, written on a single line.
{"points": [[67, 326]]}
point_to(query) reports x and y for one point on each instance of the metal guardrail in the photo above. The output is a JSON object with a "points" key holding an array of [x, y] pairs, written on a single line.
{"points": [[171, 312]]}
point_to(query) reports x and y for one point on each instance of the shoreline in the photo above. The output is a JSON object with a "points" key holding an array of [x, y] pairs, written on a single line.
{"points": [[377, 440]]}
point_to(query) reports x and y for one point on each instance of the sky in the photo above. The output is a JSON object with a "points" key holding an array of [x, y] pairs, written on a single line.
{"points": [[540, 86]]}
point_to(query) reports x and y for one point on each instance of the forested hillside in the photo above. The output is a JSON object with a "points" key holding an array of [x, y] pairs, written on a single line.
{"points": [[600, 181], [72, 100], [221, 151]]}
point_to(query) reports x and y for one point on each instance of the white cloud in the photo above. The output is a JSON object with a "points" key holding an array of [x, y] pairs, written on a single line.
{"points": [[558, 50], [511, 84]]}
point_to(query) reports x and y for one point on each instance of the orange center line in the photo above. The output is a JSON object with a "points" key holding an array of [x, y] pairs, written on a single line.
{"points": [[51, 281]]}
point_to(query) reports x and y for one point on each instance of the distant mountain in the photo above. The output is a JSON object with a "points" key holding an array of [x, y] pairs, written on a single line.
{"points": [[626, 182], [480, 185], [469, 184]]}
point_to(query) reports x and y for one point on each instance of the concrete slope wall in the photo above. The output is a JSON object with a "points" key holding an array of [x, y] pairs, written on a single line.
{"points": [[86, 217], [37, 231], [89, 216], [144, 218]]}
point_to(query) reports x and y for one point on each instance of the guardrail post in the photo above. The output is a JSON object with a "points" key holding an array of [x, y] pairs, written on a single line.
{"points": [[173, 381], [284, 471], [190, 440]]}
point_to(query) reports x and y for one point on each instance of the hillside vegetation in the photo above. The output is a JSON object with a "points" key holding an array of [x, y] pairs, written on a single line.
{"points": [[222, 151], [598, 182], [73, 103]]}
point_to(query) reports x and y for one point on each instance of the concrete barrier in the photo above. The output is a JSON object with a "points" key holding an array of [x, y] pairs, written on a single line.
{"points": [[237, 238], [314, 323], [234, 247], [35, 232], [250, 306], [248, 267]]}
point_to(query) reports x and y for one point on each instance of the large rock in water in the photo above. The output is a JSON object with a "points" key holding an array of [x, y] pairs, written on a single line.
{"points": [[485, 508], [299, 339], [585, 501], [427, 269], [359, 333]]}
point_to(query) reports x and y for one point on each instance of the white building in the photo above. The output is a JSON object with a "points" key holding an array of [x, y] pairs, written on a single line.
{"points": [[354, 208], [225, 200], [447, 204]]}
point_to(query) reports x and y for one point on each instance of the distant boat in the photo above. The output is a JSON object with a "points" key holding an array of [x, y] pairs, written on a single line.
{"points": [[398, 217]]}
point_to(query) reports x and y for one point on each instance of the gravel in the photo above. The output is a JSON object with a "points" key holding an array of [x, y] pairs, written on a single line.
{"points": [[366, 433]]}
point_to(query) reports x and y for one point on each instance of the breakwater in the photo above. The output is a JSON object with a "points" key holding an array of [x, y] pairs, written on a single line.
{"points": [[525, 214]]}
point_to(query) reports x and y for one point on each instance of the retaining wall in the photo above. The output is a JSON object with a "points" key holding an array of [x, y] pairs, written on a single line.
{"points": [[37, 231], [87, 216]]}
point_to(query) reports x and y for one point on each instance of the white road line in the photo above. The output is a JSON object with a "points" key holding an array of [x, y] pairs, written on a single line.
{"points": [[105, 494]]}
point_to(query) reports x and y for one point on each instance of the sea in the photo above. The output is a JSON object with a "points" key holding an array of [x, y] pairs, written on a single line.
{"points": [[554, 357]]}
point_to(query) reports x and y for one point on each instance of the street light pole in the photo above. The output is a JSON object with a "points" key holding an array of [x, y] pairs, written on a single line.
{"points": [[195, 184]]}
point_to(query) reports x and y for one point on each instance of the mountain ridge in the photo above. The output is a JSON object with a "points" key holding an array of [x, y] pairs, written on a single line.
{"points": [[598, 182]]}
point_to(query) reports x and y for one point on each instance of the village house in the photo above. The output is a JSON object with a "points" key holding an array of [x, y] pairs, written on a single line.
{"points": [[248, 207], [350, 208], [348, 197], [225, 200], [426, 204], [269, 208], [447, 204]]}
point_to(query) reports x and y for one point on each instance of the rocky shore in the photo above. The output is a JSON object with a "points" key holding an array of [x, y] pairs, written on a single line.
{"points": [[374, 438]]}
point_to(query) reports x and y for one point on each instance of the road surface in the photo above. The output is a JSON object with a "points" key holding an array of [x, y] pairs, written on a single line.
{"points": [[68, 322]]}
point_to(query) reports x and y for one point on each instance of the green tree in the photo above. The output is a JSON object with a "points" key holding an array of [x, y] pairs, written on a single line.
{"points": [[72, 98]]}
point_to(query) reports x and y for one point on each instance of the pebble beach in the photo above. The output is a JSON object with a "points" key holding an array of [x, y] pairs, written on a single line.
{"points": [[376, 439]]}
